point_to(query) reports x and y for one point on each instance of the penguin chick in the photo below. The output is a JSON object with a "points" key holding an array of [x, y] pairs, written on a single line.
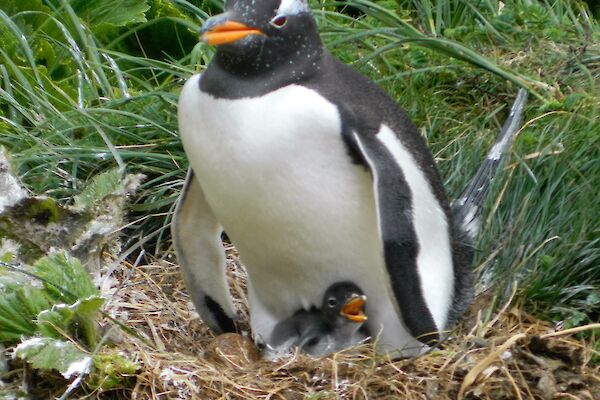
{"points": [[336, 326]]}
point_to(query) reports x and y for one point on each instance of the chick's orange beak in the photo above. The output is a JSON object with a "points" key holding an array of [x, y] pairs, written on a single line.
{"points": [[228, 32], [353, 310]]}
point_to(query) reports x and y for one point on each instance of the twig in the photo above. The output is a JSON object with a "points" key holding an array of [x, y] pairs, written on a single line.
{"points": [[570, 331]]}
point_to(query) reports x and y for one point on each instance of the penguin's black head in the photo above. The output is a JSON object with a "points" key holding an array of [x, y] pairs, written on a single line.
{"points": [[344, 302], [254, 36]]}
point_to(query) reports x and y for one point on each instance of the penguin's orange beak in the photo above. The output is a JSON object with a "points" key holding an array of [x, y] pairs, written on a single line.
{"points": [[222, 31], [353, 310]]}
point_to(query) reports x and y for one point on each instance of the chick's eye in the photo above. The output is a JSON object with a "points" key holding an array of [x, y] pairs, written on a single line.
{"points": [[279, 21], [331, 302]]}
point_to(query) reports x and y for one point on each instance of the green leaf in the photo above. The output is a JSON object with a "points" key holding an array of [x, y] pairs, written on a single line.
{"points": [[85, 313], [576, 318], [12, 7], [31, 22], [12, 326], [573, 100], [110, 12], [32, 299], [54, 323], [26, 309], [20, 303], [52, 354], [78, 320], [65, 278], [593, 300], [102, 185], [163, 8]]}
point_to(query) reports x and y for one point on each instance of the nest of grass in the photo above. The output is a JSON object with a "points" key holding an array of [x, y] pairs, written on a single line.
{"points": [[511, 355]]}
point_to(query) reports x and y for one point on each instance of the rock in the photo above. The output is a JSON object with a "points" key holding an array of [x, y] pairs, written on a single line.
{"points": [[35, 225], [232, 349], [11, 190]]}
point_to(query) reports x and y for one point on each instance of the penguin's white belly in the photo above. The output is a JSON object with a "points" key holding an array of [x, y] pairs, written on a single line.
{"points": [[278, 177]]}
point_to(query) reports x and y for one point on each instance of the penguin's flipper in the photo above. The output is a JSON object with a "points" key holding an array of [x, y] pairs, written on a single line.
{"points": [[467, 207], [197, 239], [396, 225]]}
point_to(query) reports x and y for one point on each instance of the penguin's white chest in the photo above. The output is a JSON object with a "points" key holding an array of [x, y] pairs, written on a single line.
{"points": [[277, 175]]}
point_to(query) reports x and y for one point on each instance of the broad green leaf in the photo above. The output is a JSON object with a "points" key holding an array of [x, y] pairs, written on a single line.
{"points": [[87, 308], [30, 22], [54, 323], [102, 185], [53, 354], [65, 278], [9, 281], [77, 320], [32, 299], [12, 327], [111, 12], [84, 315], [163, 8], [20, 303], [12, 7]]}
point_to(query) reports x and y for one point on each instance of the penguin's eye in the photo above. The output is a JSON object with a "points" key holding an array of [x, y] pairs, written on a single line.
{"points": [[279, 21], [331, 302]]}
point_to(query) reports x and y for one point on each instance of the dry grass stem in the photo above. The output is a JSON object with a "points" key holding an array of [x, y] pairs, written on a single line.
{"points": [[509, 355]]}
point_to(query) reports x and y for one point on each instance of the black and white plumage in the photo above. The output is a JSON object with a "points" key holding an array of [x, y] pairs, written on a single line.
{"points": [[335, 326], [467, 207], [317, 176]]}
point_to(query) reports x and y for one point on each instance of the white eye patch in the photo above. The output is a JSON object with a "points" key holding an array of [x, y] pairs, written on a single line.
{"points": [[291, 7]]}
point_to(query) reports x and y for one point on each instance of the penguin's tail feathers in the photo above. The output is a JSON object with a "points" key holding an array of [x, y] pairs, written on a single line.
{"points": [[468, 206]]}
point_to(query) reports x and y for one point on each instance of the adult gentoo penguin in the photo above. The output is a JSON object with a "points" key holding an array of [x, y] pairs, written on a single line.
{"points": [[317, 177], [336, 326]]}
